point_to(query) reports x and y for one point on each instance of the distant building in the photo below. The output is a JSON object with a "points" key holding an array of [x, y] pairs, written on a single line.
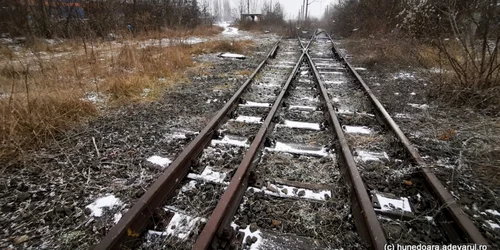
{"points": [[251, 17]]}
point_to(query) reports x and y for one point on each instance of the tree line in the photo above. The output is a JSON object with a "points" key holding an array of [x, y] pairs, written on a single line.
{"points": [[70, 18]]}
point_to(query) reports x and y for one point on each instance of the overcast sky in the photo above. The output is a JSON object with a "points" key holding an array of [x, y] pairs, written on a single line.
{"points": [[292, 7]]}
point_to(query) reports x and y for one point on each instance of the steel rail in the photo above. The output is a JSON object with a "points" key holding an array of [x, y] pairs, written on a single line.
{"points": [[465, 228], [137, 218], [230, 200], [365, 217]]}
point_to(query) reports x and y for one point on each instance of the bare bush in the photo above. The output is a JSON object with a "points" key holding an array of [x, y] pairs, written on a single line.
{"points": [[472, 53]]}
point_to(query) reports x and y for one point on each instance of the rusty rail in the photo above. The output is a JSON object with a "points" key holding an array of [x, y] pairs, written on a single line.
{"points": [[464, 230], [228, 204], [137, 218], [365, 218]]}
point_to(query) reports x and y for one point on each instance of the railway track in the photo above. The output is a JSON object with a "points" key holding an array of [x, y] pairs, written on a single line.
{"points": [[303, 156]]}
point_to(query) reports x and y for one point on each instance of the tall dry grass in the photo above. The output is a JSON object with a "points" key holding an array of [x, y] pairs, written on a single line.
{"points": [[47, 93]]}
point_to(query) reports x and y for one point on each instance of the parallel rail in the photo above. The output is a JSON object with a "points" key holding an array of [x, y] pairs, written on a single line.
{"points": [[367, 223], [141, 215], [463, 230], [233, 195]]}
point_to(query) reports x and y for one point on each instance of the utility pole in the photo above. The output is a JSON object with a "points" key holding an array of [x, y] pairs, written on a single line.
{"points": [[303, 9], [248, 6], [307, 9]]}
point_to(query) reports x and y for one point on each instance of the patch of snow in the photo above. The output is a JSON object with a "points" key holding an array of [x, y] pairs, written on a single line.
{"points": [[94, 98], [331, 73], [228, 31], [158, 160], [232, 55], [345, 112], [145, 92], [397, 93], [288, 148], [402, 116], [388, 204], [256, 104], [413, 93], [404, 75], [418, 106], [335, 99], [444, 163], [209, 175], [334, 82], [492, 224], [293, 192], [231, 140], [249, 235], [179, 135], [304, 125], [189, 186], [117, 217], [311, 99], [180, 226], [493, 212], [371, 156], [305, 108], [249, 119], [357, 130], [97, 206]]}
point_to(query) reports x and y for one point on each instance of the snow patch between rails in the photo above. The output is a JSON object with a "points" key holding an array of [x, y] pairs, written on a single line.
{"points": [[293, 192], [160, 161], [209, 175], [293, 149], [97, 206], [357, 130], [371, 156], [240, 142], [389, 204], [303, 125], [304, 108], [249, 119], [180, 226], [256, 104], [334, 82]]}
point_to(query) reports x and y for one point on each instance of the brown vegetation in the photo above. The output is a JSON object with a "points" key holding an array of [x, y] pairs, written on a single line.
{"points": [[460, 38], [48, 93]]}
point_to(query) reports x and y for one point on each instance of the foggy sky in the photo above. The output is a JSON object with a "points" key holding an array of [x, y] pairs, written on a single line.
{"points": [[292, 7]]}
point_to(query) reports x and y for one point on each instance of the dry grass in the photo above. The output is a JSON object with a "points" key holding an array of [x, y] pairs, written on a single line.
{"points": [[46, 94], [223, 46], [461, 85], [392, 53], [201, 31]]}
